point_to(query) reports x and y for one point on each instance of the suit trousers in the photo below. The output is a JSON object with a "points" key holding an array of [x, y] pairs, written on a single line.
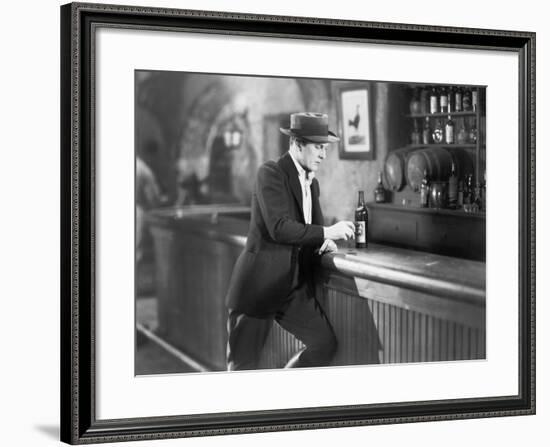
{"points": [[301, 315]]}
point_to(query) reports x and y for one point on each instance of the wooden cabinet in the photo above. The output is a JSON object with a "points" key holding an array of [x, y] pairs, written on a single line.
{"points": [[385, 227], [445, 232]]}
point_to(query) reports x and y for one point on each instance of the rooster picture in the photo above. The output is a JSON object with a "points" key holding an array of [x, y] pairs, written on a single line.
{"points": [[355, 121], [356, 137]]}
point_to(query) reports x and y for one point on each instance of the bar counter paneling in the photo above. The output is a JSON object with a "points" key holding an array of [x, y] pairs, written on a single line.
{"points": [[194, 264], [386, 304]]}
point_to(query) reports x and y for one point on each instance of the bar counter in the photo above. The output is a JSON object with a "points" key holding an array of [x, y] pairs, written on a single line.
{"points": [[459, 279], [386, 304]]}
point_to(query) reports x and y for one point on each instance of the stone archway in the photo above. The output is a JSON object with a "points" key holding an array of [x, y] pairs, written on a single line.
{"points": [[250, 101]]}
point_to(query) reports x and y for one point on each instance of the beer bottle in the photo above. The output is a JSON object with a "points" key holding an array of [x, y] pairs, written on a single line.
{"points": [[361, 222]]}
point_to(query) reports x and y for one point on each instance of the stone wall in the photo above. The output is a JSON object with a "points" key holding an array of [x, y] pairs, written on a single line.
{"points": [[190, 112]]}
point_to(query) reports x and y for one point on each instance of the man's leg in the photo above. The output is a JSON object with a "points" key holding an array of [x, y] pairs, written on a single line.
{"points": [[246, 338], [306, 320]]}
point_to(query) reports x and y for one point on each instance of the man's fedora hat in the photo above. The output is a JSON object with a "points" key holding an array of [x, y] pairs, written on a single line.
{"points": [[312, 127]]}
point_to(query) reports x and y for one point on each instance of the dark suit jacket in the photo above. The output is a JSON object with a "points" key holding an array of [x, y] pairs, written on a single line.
{"points": [[280, 246]]}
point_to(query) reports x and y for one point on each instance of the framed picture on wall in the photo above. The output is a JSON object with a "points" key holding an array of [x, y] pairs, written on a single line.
{"points": [[122, 88], [355, 121]]}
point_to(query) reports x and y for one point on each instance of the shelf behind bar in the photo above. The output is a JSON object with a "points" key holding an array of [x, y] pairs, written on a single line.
{"points": [[441, 115], [434, 211], [419, 146]]}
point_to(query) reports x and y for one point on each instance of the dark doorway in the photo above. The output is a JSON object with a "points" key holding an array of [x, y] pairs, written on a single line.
{"points": [[275, 142]]}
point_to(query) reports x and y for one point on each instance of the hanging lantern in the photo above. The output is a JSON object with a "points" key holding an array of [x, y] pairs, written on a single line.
{"points": [[232, 137]]}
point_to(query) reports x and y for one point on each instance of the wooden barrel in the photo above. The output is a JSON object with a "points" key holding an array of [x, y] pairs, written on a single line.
{"points": [[437, 162], [394, 168]]}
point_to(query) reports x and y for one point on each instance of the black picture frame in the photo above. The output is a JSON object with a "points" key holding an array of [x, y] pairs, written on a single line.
{"points": [[347, 128], [78, 25]]}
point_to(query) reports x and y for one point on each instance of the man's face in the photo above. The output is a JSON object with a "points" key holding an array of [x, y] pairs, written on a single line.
{"points": [[311, 155]]}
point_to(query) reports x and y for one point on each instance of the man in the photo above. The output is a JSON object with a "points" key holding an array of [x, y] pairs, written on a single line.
{"points": [[148, 195], [273, 277]]}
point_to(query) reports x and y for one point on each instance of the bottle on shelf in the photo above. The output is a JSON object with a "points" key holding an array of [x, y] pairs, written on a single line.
{"points": [[361, 222], [437, 134], [475, 99], [477, 197], [450, 100], [379, 191], [425, 100], [426, 131], [416, 136], [462, 134], [469, 190], [414, 106], [472, 135], [458, 99], [467, 100], [434, 101], [460, 194], [424, 190], [438, 194], [443, 100], [453, 187], [449, 131]]}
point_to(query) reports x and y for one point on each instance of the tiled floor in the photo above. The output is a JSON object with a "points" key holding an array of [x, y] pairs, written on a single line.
{"points": [[146, 311], [150, 357]]}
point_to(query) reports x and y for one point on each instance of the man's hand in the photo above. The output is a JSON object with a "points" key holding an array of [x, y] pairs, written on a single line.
{"points": [[329, 246], [340, 230]]}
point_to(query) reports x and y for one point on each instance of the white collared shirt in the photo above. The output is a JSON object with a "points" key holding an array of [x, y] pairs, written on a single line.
{"points": [[305, 182]]}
